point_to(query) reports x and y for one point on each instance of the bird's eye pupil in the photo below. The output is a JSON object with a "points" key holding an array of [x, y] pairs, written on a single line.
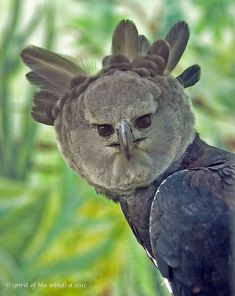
{"points": [[105, 130], [143, 121]]}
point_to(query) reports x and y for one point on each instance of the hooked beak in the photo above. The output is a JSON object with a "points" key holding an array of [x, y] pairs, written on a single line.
{"points": [[125, 138]]}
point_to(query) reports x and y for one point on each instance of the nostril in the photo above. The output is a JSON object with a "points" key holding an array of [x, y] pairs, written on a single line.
{"points": [[117, 144], [139, 140], [114, 145]]}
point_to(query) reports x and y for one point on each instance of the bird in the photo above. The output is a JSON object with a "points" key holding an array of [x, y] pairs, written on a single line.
{"points": [[129, 131]]}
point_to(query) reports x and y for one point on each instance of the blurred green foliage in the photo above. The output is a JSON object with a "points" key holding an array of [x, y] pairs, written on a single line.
{"points": [[54, 229]]}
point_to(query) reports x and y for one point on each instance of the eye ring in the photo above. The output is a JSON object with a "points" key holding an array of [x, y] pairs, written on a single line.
{"points": [[105, 130], [143, 122]]}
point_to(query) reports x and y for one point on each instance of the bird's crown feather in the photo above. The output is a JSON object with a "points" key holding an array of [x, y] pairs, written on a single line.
{"points": [[56, 75]]}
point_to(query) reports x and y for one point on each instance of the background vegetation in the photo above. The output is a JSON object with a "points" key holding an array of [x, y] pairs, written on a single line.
{"points": [[54, 229]]}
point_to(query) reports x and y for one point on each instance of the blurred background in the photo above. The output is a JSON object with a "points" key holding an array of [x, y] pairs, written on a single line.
{"points": [[54, 229]]}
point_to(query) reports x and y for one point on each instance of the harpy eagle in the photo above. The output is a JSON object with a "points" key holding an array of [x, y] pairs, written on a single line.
{"points": [[129, 131]]}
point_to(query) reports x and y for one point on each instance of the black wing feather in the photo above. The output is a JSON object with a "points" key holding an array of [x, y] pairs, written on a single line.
{"points": [[190, 235]]}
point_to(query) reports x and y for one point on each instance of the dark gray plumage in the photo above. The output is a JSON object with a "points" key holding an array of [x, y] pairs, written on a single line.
{"points": [[189, 234], [190, 76], [195, 209], [129, 131], [177, 37]]}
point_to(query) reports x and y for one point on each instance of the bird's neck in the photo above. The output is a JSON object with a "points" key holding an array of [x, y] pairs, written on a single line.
{"points": [[137, 208], [194, 156]]}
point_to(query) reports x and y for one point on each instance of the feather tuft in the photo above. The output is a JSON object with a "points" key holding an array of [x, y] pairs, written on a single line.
{"points": [[125, 40], [177, 37], [144, 45], [53, 74], [160, 48], [44, 102], [190, 76], [51, 71]]}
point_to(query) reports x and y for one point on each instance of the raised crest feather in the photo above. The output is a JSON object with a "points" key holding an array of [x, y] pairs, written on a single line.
{"points": [[53, 74], [35, 56], [177, 37], [126, 40], [190, 76], [144, 45], [44, 103], [50, 66], [160, 48]]}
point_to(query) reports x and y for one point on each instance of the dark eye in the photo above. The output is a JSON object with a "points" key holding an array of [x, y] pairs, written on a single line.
{"points": [[143, 121], [105, 130]]}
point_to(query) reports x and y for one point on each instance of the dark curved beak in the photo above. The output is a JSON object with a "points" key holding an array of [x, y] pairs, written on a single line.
{"points": [[125, 138]]}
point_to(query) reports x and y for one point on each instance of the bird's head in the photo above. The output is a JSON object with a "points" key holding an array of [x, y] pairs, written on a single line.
{"points": [[123, 127]]}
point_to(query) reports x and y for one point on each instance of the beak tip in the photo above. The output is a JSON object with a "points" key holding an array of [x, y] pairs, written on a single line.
{"points": [[128, 156]]}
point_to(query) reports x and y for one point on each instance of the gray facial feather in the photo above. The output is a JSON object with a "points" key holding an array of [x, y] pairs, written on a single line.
{"points": [[110, 99], [128, 96]]}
